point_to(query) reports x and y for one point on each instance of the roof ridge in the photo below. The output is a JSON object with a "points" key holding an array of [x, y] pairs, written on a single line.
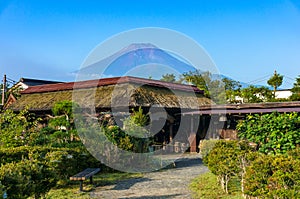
{"points": [[109, 81]]}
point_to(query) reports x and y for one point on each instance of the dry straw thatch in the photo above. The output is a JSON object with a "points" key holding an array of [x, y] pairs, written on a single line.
{"points": [[125, 94]]}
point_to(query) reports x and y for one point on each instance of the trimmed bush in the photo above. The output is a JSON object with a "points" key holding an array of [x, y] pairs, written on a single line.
{"points": [[260, 175], [206, 146], [227, 159], [68, 162], [64, 161], [273, 177], [27, 178]]}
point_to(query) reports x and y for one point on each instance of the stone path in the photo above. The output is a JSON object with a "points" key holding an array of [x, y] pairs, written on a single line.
{"points": [[168, 183]]}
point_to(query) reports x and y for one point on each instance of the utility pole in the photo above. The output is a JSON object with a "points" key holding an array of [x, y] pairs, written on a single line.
{"points": [[3, 89]]}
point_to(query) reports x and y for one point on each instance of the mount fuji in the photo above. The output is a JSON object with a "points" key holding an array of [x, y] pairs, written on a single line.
{"points": [[143, 60]]}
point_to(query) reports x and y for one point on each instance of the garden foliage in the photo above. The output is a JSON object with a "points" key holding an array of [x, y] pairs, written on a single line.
{"points": [[260, 175], [273, 171], [273, 133], [16, 129], [273, 176], [227, 160], [48, 166], [134, 136], [34, 158]]}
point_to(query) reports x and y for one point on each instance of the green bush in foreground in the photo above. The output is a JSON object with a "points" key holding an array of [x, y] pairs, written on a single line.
{"points": [[26, 178], [65, 161], [258, 175], [206, 146], [24, 170], [272, 176], [226, 160]]}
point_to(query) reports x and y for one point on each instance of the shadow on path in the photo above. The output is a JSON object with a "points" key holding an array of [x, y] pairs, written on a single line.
{"points": [[186, 162], [129, 183]]}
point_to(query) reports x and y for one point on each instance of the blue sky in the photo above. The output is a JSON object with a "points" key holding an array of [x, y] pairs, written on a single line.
{"points": [[247, 39]]}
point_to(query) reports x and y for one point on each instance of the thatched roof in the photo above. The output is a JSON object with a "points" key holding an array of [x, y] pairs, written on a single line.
{"points": [[103, 93]]}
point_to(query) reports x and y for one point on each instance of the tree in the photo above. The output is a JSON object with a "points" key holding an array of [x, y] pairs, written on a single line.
{"points": [[134, 136], [198, 79], [213, 88], [254, 94], [63, 120], [135, 126], [296, 90], [16, 128], [231, 84], [232, 89], [63, 114], [168, 78], [275, 81]]}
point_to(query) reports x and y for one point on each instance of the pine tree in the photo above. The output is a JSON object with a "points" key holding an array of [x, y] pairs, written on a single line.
{"points": [[275, 81]]}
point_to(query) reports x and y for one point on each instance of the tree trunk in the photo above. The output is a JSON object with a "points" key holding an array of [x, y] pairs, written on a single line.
{"points": [[227, 178], [222, 182]]}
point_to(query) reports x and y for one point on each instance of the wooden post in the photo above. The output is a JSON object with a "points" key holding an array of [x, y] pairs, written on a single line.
{"points": [[3, 89], [81, 186], [171, 131], [192, 141], [192, 137]]}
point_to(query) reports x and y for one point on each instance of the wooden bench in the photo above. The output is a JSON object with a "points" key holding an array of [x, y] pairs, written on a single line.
{"points": [[84, 175]]}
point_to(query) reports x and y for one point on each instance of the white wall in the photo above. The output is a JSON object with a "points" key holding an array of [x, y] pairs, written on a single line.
{"points": [[283, 94]]}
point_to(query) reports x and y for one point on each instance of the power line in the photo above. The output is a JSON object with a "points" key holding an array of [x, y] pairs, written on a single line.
{"points": [[9, 80], [287, 77], [259, 79], [287, 81]]}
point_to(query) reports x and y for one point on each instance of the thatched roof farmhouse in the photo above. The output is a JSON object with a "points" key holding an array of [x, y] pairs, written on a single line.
{"points": [[184, 104], [141, 92]]}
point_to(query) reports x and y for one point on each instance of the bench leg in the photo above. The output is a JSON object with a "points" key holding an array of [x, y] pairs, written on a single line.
{"points": [[91, 179], [81, 185]]}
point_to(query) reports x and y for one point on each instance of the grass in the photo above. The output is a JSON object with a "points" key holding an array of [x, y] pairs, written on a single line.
{"points": [[72, 190], [206, 186]]}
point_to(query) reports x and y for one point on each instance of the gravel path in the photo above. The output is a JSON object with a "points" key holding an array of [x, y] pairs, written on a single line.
{"points": [[168, 183]]}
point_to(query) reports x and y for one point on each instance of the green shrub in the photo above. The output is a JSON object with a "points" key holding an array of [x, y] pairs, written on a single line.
{"points": [[41, 137], [295, 153], [227, 159], [9, 155], [15, 129], [206, 146], [27, 178], [273, 133], [119, 138], [64, 161], [273, 176], [67, 162], [133, 136]]}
